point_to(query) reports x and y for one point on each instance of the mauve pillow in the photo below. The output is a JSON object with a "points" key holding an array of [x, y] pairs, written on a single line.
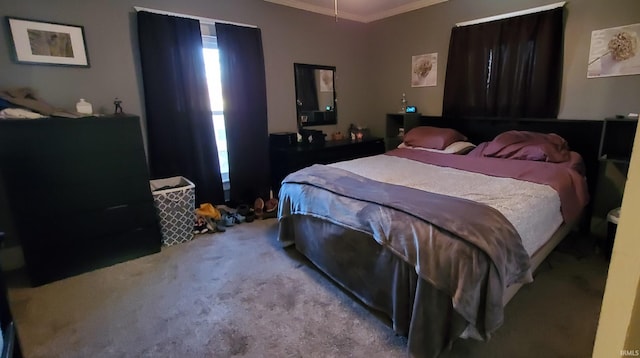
{"points": [[576, 163], [432, 137], [526, 145]]}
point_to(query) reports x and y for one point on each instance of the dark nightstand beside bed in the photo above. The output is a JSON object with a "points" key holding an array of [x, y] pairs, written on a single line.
{"points": [[616, 145]]}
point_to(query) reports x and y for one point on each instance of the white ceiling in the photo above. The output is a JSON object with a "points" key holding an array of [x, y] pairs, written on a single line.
{"points": [[359, 10]]}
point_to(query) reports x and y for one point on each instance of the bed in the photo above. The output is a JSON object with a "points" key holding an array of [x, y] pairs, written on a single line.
{"points": [[445, 269]]}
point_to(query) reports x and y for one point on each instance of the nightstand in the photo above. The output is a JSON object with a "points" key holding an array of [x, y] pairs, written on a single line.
{"points": [[617, 137], [616, 144], [395, 122]]}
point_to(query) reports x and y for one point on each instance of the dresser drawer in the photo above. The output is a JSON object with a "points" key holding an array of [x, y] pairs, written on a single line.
{"points": [[70, 137], [42, 230], [59, 261], [110, 191], [92, 165]]}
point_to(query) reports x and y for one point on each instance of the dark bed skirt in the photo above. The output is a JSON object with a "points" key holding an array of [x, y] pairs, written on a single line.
{"points": [[381, 280]]}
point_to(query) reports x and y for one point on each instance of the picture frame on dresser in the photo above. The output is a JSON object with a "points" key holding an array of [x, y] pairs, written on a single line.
{"points": [[47, 43]]}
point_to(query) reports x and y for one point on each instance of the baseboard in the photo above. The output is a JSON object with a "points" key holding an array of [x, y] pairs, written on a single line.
{"points": [[11, 258]]}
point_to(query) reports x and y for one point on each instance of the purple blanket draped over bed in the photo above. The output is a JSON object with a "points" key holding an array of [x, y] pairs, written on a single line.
{"points": [[470, 252], [569, 183]]}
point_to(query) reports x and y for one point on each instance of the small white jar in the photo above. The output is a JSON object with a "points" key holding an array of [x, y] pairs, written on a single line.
{"points": [[84, 107]]}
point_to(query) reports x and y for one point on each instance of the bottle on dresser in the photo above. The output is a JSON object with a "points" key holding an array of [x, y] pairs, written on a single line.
{"points": [[84, 107]]}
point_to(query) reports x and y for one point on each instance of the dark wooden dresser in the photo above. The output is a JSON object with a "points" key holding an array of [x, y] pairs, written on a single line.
{"points": [[287, 159], [78, 193], [11, 347]]}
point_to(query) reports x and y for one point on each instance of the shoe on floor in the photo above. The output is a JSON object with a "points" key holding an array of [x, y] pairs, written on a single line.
{"points": [[220, 226], [269, 215], [228, 219], [271, 205], [243, 209], [238, 218], [258, 207], [200, 226], [215, 225]]}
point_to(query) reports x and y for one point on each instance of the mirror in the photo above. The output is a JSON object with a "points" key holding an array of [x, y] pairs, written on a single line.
{"points": [[315, 95]]}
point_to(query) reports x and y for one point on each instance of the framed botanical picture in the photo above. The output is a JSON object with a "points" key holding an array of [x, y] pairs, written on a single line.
{"points": [[614, 52], [48, 43], [424, 70]]}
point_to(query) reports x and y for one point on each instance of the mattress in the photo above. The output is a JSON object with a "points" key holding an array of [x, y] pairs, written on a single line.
{"points": [[532, 208]]}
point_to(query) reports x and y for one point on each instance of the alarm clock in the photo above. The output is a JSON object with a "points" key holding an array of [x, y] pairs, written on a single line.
{"points": [[411, 109]]}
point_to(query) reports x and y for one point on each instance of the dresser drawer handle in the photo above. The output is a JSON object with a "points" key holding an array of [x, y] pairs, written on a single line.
{"points": [[116, 207]]}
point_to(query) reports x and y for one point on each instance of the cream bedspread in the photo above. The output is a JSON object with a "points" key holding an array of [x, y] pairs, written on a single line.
{"points": [[533, 209]]}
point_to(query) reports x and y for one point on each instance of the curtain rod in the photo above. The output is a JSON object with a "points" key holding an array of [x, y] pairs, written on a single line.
{"points": [[203, 20], [512, 14]]}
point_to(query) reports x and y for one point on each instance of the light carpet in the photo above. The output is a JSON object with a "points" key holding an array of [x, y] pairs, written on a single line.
{"points": [[239, 294]]}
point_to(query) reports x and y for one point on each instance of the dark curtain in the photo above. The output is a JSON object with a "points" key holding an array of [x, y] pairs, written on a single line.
{"points": [[506, 68], [245, 111], [179, 123], [306, 89]]}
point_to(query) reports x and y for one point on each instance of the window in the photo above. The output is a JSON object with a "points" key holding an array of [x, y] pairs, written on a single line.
{"points": [[510, 67], [212, 68]]}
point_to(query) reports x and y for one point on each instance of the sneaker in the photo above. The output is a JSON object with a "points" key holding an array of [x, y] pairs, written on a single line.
{"points": [[202, 230], [215, 225], [237, 218], [228, 219], [200, 226]]}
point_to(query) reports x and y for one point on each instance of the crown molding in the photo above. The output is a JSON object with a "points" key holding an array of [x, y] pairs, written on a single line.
{"points": [[350, 16], [402, 9], [318, 9]]}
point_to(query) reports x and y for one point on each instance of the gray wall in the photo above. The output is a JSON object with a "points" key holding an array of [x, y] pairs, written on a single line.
{"points": [[288, 35], [373, 60], [393, 41]]}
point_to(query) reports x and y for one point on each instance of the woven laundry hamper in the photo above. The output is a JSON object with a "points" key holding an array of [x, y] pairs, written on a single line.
{"points": [[175, 200]]}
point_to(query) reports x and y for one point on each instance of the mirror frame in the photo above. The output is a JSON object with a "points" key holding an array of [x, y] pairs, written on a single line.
{"points": [[319, 117]]}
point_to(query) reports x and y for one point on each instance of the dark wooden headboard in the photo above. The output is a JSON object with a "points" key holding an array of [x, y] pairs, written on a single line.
{"points": [[583, 136]]}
